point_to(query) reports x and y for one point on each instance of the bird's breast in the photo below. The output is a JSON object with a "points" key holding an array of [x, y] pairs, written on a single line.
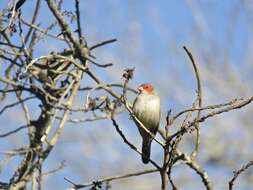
{"points": [[147, 110]]}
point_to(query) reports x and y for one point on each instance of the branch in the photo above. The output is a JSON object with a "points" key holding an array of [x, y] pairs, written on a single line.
{"points": [[238, 172], [37, 28], [203, 108], [113, 178], [236, 105], [58, 131], [192, 164], [199, 100], [103, 43], [79, 28], [127, 142], [61, 166], [62, 23], [14, 131], [109, 85], [15, 103], [18, 4], [100, 65]]}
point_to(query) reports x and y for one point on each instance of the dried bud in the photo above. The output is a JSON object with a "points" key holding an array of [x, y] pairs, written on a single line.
{"points": [[128, 73], [90, 104], [109, 105]]}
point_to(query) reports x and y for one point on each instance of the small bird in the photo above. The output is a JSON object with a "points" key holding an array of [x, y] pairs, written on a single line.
{"points": [[146, 108]]}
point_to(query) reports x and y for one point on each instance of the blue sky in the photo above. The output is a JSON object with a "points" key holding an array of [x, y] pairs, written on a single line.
{"points": [[150, 38]]}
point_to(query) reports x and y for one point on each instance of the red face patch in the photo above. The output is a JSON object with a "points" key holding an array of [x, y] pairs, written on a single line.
{"points": [[146, 87]]}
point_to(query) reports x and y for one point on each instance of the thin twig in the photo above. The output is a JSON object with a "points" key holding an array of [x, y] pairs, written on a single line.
{"points": [[192, 164], [127, 142], [37, 28], [199, 100], [237, 105], [14, 131], [15, 103], [203, 108], [110, 85], [78, 20], [238, 172], [60, 167], [103, 43], [65, 27], [100, 65], [35, 16], [112, 178]]}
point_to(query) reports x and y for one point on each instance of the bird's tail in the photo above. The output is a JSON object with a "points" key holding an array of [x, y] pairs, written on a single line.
{"points": [[146, 146]]}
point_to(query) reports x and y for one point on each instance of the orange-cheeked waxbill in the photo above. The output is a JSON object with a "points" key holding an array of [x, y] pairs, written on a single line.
{"points": [[146, 108]]}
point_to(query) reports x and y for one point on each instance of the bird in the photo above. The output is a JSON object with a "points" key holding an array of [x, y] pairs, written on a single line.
{"points": [[147, 109]]}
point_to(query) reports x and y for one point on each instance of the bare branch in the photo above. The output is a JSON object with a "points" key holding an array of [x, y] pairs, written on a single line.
{"points": [[199, 100], [15, 103], [127, 142], [102, 43], [62, 23], [37, 28], [14, 131], [109, 85], [238, 172], [192, 164], [60, 167], [113, 178], [236, 105], [203, 108]]}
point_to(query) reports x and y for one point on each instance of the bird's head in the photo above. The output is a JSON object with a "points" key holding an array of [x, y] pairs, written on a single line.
{"points": [[146, 88]]}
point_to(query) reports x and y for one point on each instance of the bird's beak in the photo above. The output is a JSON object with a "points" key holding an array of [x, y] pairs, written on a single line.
{"points": [[140, 89]]}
